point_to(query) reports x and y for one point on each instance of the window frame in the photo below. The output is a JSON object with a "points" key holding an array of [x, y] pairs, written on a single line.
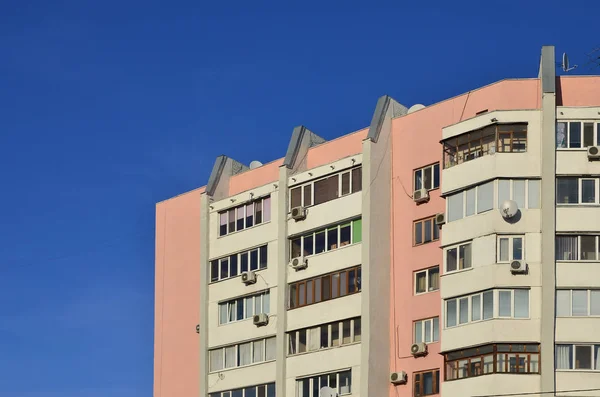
{"points": [[311, 185], [433, 167], [234, 301], [297, 287], [254, 203], [228, 393], [427, 272], [567, 137], [579, 252], [580, 180], [325, 230], [237, 354], [218, 262], [295, 336], [495, 307], [589, 300], [337, 373], [433, 337], [595, 350], [435, 232], [458, 257], [464, 200], [418, 378], [511, 238], [496, 351]]}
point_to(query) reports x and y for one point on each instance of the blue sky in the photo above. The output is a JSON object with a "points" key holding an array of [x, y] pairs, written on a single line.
{"points": [[108, 107]]}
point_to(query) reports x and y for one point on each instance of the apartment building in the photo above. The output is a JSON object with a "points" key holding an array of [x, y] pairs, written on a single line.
{"points": [[440, 244]]}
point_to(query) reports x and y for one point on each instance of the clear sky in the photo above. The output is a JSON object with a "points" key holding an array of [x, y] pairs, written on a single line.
{"points": [[107, 107]]}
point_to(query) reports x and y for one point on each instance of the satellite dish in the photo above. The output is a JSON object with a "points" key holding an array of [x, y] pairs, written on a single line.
{"points": [[565, 63], [416, 107], [327, 392], [255, 164], [509, 209]]}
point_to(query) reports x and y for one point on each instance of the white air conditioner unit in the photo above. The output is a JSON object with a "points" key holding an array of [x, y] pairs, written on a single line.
{"points": [[593, 153], [518, 267], [298, 213], [260, 319], [440, 219], [418, 349], [249, 277], [420, 196], [299, 263], [398, 378]]}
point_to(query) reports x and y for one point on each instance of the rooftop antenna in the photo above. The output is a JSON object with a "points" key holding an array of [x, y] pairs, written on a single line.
{"points": [[565, 63]]}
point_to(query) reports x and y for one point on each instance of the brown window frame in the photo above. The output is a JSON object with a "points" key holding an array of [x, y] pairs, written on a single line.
{"points": [[475, 145], [435, 233], [477, 360], [418, 383], [295, 288]]}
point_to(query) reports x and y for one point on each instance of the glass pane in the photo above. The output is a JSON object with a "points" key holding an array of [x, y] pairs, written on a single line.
{"points": [[259, 351], [419, 233], [434, 279], [302, 341], [504, 309], [588, 191], [521, 303], [308, 245], [455, 207], [356, 179], [566, 248], [418, 179], [224, 268], [296, 247], [357, 330], [485, 197], [451, 259], [575, 134], [335, 285], [561, 135], [428, 331], [214, 270], [503, 191], [427, 228], [567, 191], [346, 328], [580, 303], [332, 239], [335, 334], [488, 305], [588, 248], [418, 331], [533, 194], [476, 307], [595, 304], [271, 349], [436, 329], [250, 215], [464, 256], [307, 195], [254, 259], [463, 311], [421, 282], [427, 178], [519, 193], [470, 202], [263, 257], [345, 183], [357, 231], [345, 235], [343, 283], [309, 292], [503, 250], [296, 197], [436, 176], [266, 302], [563, 303], [320, 242], [564, 356], [517, 248], [583, 357], [245, 354], [266, 209], [451, 313], [244, 262], [233, 265], [239, 306]]}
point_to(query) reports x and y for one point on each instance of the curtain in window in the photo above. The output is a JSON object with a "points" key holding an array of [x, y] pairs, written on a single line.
{"points": [[504, 306], [566, 248], [455, 207], [245, 353], [561, 135], [314, 338], [230, 361], [485, 197], [270, 349], [222, 313], [533, 194], [521, 303], [421, 282], [503, 249], [488, 304], [503, 191], [231, 311], [597, 357], [419, 332], [519, 193], [434, 279], [580, 303], [266, 304], [563, 303], [216, 360], [595, 303], [470, 202], [267, 209], [259, 351]]}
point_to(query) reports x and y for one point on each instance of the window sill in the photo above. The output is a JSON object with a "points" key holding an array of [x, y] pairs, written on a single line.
{"points": [[578, 261], [322, 350], [449, 273], [426, 292], [428, 242], [257, 271], [571, 149], [243, 230], [594, 371], [240, 367], [592, 316], [487, 319], [577, 205]]}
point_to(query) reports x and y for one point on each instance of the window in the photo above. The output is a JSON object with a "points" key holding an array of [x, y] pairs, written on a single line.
{"points": [[577, 302], [324, 336], [425, 231], [577, 248], [507, 138], [241, 354], [328, 239], [577, 134], [233, 265], [525, 192], [427, 383], [245, 216], [490, 359], [427, 177], [326, 189], [475, 200], [427, 331], [511, 303], [510, 248], [427, 280], [573, 190], [267, 390], [325, 287], [244, 307], [458, 257], [341, 382], [578, 356]]}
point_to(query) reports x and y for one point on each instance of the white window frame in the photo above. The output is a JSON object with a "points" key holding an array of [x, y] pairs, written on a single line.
{"points": [[589, 302], [312, 187], [573, 346], [458, 257], [581, 122], [463, 193], [511, 238], [495, 310], [258, 200], [337, 382], [239, 263], [427, 276], [578, 258], [580, 191], [295, 335], [233, 302], [512, 192], [227, 393], [422, 171], [237, 354], [433, 337]]}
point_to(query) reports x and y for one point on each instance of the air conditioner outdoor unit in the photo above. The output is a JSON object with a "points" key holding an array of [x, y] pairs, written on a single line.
{"points": [[298, 213], [593, 153], [440, 219], [398, 378], [260, 319], [249, 277], [299, 263], [418, 349], [420, 196], [518, 267]]}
